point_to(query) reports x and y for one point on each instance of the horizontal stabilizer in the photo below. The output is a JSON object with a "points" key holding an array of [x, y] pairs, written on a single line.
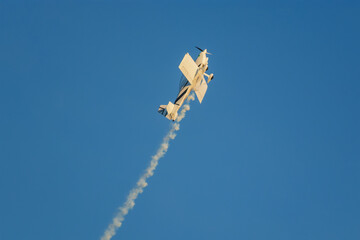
{"points": [[188, 67]]}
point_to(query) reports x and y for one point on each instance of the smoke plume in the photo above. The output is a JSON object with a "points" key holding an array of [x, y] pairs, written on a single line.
{"points": [[141, 184]]}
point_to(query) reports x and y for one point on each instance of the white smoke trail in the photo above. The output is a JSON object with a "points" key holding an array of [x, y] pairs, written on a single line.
{"points": [[141, 184]]}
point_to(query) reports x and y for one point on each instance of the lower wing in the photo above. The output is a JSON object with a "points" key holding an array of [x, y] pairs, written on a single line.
{"points": [[201, 90]]}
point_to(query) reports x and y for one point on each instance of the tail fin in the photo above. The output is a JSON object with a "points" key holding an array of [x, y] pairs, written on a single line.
{"points": [[169, 111]]}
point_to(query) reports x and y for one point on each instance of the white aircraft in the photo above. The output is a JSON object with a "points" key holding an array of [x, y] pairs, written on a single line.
{"points": [[194, 73]]}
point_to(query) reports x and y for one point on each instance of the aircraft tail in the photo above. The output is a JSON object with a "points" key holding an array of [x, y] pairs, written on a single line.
{"points": [[169, 111]]}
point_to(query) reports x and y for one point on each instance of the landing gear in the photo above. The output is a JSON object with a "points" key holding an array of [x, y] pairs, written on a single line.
{"points": [[210, 77]]}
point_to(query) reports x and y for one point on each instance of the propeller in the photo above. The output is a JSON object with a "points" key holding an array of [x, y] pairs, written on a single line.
{"points": [[202, 50], [199, 49]]}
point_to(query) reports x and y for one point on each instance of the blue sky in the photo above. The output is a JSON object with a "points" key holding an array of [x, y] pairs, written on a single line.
{"points": [[271, 153]]}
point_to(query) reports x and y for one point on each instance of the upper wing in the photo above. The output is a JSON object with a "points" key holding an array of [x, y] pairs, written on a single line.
{"points": [[201, 90], [188, 67]]}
